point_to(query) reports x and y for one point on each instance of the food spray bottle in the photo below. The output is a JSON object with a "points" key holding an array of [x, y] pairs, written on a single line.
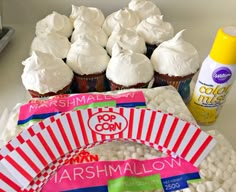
{"points": [[215, 78]]}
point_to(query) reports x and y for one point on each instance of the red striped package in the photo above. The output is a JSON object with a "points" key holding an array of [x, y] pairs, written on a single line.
{"points": [[53, 141]]}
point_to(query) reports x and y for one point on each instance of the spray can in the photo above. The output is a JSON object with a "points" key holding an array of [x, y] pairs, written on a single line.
{"points": [[215, 78]]}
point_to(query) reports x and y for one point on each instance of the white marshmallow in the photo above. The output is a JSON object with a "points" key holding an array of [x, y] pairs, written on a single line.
{"points": [[220, 190], [201, 188]]}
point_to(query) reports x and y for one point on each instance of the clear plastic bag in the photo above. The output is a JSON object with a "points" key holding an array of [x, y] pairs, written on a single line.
{"points": [[218, 170]]}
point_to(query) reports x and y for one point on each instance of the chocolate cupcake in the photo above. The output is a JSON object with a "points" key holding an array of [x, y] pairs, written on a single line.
{"points": [[128, 69], [55, 22], [127, 18], [175, 62], [92, 15], [88, 60], [46, 75], [93, 32], [51, 43], [144, 8], [154, 31], [127, 39]]}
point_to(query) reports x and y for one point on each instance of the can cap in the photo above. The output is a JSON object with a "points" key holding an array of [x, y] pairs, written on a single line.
{"points": [[224, 47]]}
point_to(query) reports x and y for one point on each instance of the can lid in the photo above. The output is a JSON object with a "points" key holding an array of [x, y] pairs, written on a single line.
{"points": [[224, 47]]}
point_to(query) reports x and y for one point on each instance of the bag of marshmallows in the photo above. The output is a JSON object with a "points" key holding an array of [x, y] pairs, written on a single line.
{"points": [[129, 140]]}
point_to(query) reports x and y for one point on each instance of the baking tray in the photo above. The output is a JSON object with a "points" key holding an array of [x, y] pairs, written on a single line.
{"points": [[5, 36]]}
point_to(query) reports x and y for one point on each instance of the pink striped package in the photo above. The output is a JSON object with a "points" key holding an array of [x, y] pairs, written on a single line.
{"points": [[30, 159]]}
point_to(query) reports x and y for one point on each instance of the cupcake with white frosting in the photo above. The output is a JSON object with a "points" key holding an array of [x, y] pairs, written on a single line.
{"points": [[89, 61], [154, 31], [54, 22], [127, 69], [127, 39], [88, 14], [93, 32], [51, 43], [125, 17], [144, 8], [175, 62], [46, 75]]}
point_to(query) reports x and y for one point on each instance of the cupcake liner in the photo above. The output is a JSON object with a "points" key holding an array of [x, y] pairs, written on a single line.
{"points": [[114, 86], [150, 49], [89, 83], [107, 84], [35, 94], [182, 84]]}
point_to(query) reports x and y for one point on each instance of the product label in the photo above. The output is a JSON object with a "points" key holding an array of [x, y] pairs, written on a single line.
{"points": [[83, 157], [221, 75], [132, 175], [212, 87], [38, 109], [151, 182], [107, 123]]}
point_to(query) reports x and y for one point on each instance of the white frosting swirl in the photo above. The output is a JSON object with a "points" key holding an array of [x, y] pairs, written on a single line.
{"points": [[175, 57], [127, 39], [125, 17], [55, 22], [87, 57], [144, 8], [45, 73], [93, 32], [128, 68], [88, 14], [154, 30], [51, 43]]}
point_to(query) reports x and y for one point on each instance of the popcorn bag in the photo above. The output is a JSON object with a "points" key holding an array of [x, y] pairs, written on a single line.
{"points": [[115, 148]]}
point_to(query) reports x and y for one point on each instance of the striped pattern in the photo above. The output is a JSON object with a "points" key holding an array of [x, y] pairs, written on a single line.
{"points": [[46, 146]]}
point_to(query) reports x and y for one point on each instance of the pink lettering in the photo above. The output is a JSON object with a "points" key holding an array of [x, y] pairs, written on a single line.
{"points": [[65, 176], [101, 170], [158, 165], [77, 172], [128, 168], [90, 172]]}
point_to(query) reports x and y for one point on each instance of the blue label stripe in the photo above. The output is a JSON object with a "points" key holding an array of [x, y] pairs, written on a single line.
{"points": [[133, 104], [36, 116], [178, 182], [90, 189]]}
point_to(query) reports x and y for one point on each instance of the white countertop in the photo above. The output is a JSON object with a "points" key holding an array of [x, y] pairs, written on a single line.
{"points": [[200, 32]]}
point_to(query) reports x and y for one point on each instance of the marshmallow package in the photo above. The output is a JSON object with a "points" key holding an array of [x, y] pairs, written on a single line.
{"points": [[214, 157]]}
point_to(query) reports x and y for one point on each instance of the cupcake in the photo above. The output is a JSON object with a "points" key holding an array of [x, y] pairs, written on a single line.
{"points": [[125, 17], [89, 61], [154, 31], [93, 32], [144, 8], [175, 62], [51, 43], [46, 75], [89, 14], [127, 69], [127, 39], [55, 22]]}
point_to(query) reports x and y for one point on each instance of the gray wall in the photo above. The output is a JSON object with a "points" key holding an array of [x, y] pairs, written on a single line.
{"points": [[29, 11], [200, 18]]}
